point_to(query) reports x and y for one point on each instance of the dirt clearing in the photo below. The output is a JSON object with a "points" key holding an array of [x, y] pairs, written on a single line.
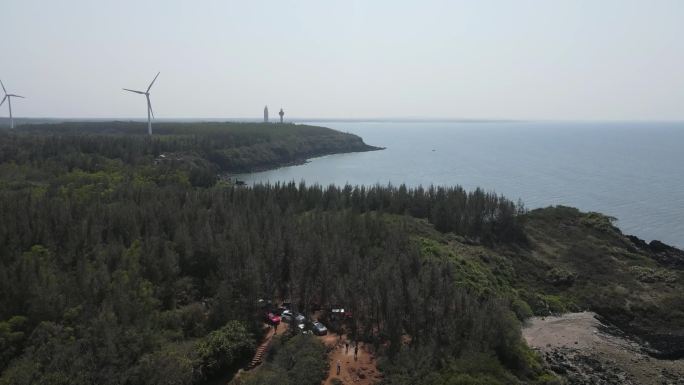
{"points": [[362, 371]]}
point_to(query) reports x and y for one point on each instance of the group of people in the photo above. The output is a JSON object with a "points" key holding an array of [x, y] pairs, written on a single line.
{"points": [[346, 351]]}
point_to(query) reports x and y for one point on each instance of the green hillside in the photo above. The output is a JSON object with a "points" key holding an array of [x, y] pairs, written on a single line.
{"points": [[227, 147]]}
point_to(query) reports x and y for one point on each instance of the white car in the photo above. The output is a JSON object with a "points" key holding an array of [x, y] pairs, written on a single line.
{"points": [[319, 329], [287, 316]]}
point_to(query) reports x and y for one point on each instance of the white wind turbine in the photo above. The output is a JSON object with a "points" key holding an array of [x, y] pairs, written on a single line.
{"points": [[150, 113], [9, 97]]}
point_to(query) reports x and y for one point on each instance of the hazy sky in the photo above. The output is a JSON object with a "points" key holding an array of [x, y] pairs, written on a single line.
{"points": [[520, 59]]}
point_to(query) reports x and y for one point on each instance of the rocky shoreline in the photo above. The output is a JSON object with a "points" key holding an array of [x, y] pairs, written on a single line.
{"points": [[582, 350], [577, 367], [656, 342]]}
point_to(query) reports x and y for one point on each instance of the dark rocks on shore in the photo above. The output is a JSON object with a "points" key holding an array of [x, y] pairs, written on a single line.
{"points": [[660, 346], [665, 255], [665, 346], [579, 368]]}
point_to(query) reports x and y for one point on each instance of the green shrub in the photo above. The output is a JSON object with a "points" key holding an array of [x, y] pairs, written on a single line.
{"points": [[555, 304], [560, 277], [477, 369], [267, 374], [599, 221], [300, 360], [521, 309], [548, 379], [653, 275], [224, 348], [12, 336], [172, 365]]}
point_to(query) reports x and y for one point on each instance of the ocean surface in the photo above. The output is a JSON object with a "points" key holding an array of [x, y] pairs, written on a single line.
{"points": [[631, 171]]}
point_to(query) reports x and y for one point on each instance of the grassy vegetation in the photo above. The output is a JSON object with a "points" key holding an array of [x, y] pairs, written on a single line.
{"points": [[574, 261], [581, 261]]}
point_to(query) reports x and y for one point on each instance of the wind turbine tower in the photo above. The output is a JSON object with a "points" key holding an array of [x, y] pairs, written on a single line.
{"points": [[150, 113], [9, 97], [265, 114]]}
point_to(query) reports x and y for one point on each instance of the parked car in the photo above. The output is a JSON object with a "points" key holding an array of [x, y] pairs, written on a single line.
{"points": [[272, 318], [287, 316], [319, 329], [279, 310], [300, 319], [264, 304], [340, 313]]}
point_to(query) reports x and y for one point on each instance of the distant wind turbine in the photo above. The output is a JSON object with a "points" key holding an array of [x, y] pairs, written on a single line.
{"points": [[150, 113], [9, 97]]}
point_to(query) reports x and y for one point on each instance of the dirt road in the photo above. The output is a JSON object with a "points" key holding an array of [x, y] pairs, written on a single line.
{"points": [[362, 371]]}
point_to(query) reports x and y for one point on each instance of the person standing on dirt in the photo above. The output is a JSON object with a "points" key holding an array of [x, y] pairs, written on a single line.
{"points": [[356, 350], [346, 347], [339, 366]]}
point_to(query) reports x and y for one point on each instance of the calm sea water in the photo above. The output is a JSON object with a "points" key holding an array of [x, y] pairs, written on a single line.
{"points": [[632, 171]]}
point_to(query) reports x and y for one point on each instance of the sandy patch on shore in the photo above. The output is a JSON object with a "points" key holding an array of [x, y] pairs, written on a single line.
{"points": [[580, 349]]}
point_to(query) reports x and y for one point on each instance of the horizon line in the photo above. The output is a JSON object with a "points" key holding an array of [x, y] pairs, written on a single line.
{"points": [[407, 119]]}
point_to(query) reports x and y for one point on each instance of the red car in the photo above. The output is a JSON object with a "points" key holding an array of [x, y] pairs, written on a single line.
{"points": [[272, 318]]}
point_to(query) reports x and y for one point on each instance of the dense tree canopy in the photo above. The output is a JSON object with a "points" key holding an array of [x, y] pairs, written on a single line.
{"points": [[115, 269], [232, 147]]}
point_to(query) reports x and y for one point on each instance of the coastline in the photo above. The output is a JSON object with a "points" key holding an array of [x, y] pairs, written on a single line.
{"points": [[297, 162]]}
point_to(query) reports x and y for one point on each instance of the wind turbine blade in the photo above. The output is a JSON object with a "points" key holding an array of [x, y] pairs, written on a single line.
{"points": [[153, 80], [137, 92], [3, 87], [3, 100], [149, 105], [17, 96]]}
